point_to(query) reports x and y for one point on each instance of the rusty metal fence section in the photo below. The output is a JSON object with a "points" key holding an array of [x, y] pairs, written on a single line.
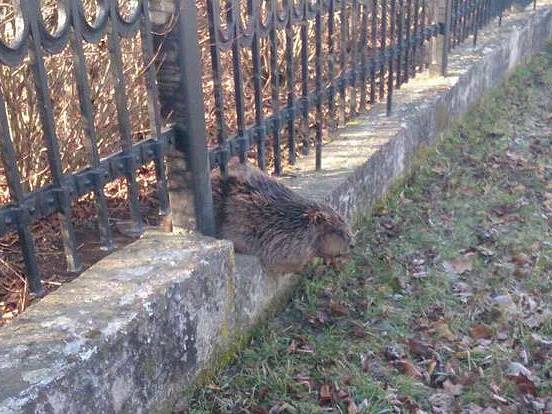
{"points": [[311, 66], [73, 30]]}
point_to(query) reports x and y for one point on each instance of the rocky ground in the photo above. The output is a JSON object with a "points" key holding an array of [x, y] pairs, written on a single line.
{"points": [[446, 306]]}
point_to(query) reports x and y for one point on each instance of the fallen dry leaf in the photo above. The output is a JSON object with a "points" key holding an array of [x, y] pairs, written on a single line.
{"points": [[409, 404], [419, 348], [256, 409], [325, 394], [525, 384], [338, 308], [442, 329], [520, 259], [408, 368], [342, 395], [481, 331]]}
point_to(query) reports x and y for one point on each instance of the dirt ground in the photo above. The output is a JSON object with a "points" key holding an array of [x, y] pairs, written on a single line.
{"points": [[446, 306]]}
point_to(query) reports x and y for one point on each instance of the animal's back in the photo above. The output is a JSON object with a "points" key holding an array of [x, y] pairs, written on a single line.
{"points": [[265, 218]]}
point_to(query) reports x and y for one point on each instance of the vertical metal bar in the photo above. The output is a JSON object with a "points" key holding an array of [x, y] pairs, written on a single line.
{"points": [[258, 89], [8, 158], [275, 77], [363, 46], [392, 40], [332, 122], [424, 63], [232, 18], [353, 42], [153, 108], [190, 132], [445, 48], [373, 50], [318, 74], [121, 103], [383, 46], [48, 126], [305, 80], [454, 24], [458, 24], [464, 19], [216, 71], [408, 40], [475, 12], [87, 112], [417, 36], [290, 76], [343, 60], [478, 14], [399, 43]]}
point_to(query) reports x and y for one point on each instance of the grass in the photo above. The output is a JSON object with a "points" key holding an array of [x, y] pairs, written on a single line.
{"points": [[445, 306]]}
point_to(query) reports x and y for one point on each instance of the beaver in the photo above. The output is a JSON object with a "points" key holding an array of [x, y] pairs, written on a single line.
{"points": [[263, 217]]}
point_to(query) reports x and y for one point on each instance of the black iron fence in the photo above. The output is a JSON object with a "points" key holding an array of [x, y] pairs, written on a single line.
{"points": [[300, 68]]}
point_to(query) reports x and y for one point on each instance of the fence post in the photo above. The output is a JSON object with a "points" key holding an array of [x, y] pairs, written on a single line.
{"points": [[174, 24], [441, 13]]}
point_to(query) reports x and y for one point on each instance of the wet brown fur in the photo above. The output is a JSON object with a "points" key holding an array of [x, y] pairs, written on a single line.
{"points": [[265, 218]]}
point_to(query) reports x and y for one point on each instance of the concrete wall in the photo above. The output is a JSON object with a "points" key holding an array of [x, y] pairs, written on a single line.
{"points": [[136, 328]]}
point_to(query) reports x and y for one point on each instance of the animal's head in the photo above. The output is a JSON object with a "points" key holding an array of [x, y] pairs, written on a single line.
{"points": [[334, 239]]}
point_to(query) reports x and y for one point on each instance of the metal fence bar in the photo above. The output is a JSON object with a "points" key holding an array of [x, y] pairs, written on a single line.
{"points": [[342, 61], [87, 112], [353, 41], [8, 157], [154, 110], [424, 63], [373, 49], [363, 46], [400, 44], [216, 73], [391, 57], [50, 139], [417, 36], [275, 98], [383, 45], [445, 40], [260, 130], [191, 115], [408, 40], [232, 22], [318, 80], [290, 75], [331, 66], [305, 79], [123, 118]]}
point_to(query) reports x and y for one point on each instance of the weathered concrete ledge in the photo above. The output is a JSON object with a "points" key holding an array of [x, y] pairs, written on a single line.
{"points": [[135, 329]]}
